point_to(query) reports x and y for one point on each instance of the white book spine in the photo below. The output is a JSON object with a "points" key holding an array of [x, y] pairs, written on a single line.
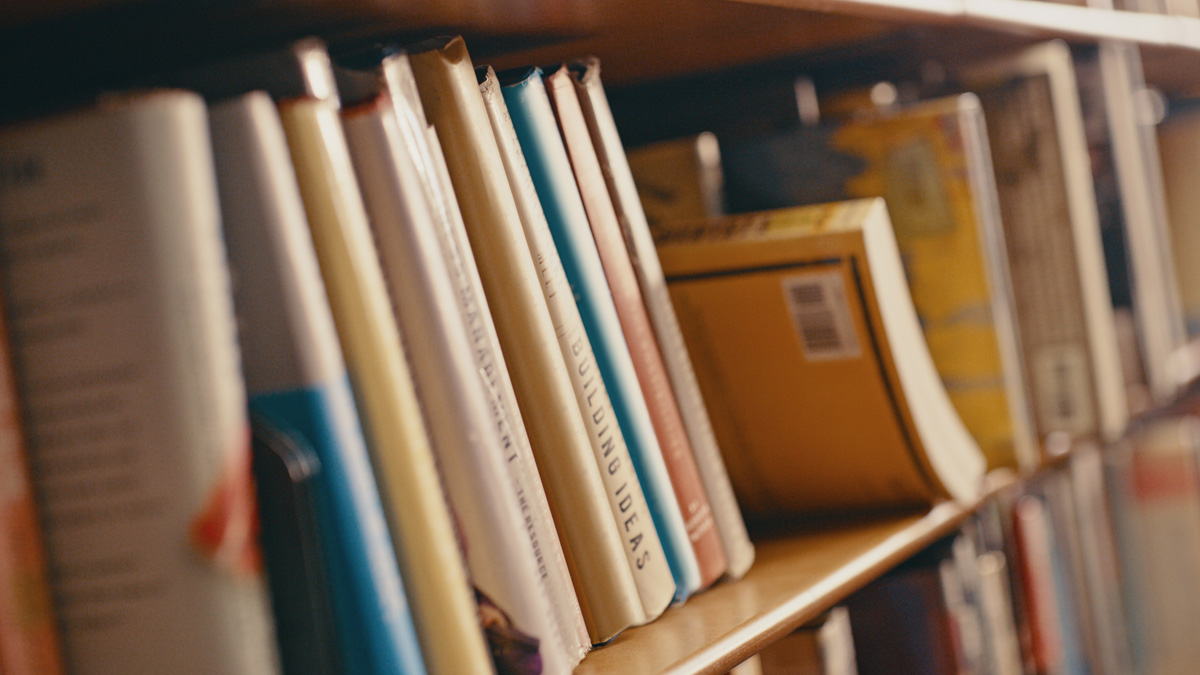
{"points": [[728, 515], [128, 367], [503, 556], [626, 500]]}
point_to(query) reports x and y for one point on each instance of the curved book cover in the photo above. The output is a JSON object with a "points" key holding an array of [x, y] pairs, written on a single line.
{"points": [[430, 561], [633, 525], [450, 97], [297, 380], [808, 348], [363, 76], [533, 119], [932, 164], [503, 556], [639, 334], [618, 177], [136, 414]]}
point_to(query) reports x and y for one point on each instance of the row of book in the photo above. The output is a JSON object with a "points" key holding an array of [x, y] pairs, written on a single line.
{"points": [[1093, 567], [468, 450], [478, 441]]}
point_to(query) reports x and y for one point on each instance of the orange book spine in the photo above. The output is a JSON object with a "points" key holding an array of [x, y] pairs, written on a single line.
{"points": [[638, 332], [29, 643]]}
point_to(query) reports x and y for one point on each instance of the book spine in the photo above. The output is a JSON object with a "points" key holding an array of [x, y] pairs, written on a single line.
{"points": [[29, 639], [424, 147], [123, 337], [626, 499], [450, 98], [1056, 267], [422, 530], [653, 285], [1156, 302], [986, 202], [652, 376], [504, 557], [533, 117], [297, 380]]}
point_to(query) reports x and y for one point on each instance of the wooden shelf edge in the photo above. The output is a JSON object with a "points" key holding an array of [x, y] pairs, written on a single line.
{"points": [[795, 579]]}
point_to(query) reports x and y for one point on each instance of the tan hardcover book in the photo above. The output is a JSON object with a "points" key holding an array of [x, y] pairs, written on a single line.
{"points": [[808, 349], [1051, 228], [739, 552], [639, 334], [444, 610], [450, 96], [627, 502]]}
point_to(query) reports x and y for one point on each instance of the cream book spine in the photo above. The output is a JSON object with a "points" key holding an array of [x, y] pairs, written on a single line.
{"points": [[503, 555], [1085, 373], [444, 610], [391, 72], [626, 500], [1158, 308], [450, 97], [739, 552], [127, 365]]}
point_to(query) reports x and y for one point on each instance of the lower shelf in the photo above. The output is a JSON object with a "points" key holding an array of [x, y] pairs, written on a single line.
{"points": [[793, 580]]}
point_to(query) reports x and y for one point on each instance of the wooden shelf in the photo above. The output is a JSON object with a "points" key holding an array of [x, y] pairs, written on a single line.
{"points": [[793, 580]]}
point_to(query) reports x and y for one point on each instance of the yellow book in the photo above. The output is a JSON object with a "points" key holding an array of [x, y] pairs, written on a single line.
{"points": [[931, 164], [808, 349], [443, 608]]}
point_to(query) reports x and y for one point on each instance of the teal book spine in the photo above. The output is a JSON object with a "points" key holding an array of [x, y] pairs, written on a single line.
{"points": [[374, 627], [554, 180]]}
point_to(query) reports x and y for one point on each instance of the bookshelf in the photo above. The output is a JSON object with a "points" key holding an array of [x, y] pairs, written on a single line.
{"points": [[795, 577], [793, 580]]}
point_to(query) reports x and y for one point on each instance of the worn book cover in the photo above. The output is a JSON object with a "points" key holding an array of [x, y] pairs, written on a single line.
{"points": [[808, 349], [932, 164]]}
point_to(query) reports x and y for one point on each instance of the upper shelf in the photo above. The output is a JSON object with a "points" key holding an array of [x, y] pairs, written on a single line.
{"points": [[70, 44], [793, 580]]}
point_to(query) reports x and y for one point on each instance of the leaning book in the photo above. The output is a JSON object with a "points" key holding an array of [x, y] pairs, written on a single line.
{"points": [[932, 165], [807, 347]]}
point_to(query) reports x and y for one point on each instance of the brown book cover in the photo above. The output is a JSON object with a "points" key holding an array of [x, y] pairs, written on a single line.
{"points": [[639, 334]]}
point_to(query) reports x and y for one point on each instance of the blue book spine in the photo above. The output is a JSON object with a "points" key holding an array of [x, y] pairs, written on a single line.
{"points": [[554, 181], [374, 626]]}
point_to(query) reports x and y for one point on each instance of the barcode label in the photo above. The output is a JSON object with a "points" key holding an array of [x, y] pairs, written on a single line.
{"points": [[1062, 387], [821, 316]]}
